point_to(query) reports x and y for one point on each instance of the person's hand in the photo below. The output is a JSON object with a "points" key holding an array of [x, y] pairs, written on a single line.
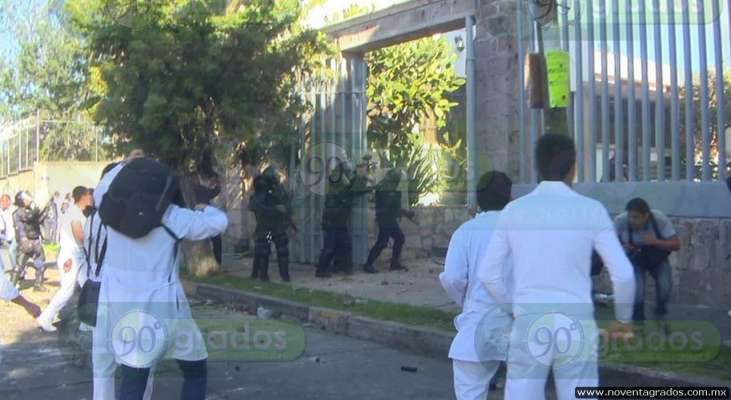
{"points": [[628, 248], [651, 239], [472, 210], [620, 330], [282, 209], [67, 265], [200, 206]]}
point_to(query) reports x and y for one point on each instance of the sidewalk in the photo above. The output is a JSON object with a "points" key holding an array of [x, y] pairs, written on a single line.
{"points": [[419, 286]]}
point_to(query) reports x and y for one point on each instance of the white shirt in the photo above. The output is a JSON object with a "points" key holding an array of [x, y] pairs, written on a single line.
{"points": [[7, 223], [550, 233], [481, 314], [68, 241]]}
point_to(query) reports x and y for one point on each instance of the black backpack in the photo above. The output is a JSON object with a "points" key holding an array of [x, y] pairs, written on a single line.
{"points": [[138, 197]]}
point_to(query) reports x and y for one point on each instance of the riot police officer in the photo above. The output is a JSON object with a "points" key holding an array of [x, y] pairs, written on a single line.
{"points": [[28, 219]]}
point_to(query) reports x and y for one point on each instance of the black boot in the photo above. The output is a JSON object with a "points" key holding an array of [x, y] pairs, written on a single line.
{"points": [[368, 268], [38, 286]]}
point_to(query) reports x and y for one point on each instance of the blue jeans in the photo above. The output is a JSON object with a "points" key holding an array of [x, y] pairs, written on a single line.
{"points": [[195, 381], [663, 286]]}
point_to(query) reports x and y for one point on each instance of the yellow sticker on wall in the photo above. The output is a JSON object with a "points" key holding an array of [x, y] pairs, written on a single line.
{"points": [[558, 66]]}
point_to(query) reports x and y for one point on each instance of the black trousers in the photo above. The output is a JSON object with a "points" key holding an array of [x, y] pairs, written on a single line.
{"points": [[385, 233], [217, 244], [195, 381], [31, 250], [337, 247], [262, 251]]}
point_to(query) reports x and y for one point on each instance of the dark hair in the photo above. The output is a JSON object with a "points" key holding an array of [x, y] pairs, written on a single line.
{"points": [[494, 191], [639, 205], [555, 156], [78, 193]]}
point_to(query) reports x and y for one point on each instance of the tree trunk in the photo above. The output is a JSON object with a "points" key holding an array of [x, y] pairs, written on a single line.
{"points": [[198, 255]]}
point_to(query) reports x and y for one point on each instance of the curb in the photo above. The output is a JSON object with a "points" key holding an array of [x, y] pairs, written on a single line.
{"points": [[424, 341]]}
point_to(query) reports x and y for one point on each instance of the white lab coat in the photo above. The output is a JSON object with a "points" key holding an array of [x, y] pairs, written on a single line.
{"points": [[550, 234], [481, 314], [483, 327], [141, 288]]}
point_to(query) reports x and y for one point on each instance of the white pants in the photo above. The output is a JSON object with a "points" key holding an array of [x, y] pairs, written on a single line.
{"points": [[64, 294], [472, 379], [530, 361]]}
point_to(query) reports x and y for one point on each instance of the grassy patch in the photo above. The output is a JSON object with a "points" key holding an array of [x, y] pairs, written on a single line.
{"points": [[406, 314]]}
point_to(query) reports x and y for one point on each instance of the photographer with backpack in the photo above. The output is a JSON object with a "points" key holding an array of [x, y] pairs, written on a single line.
{"points": [[648, 237], [142, 207]]}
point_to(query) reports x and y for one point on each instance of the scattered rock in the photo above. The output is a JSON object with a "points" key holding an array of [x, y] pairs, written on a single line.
{"points": [[361, 301], [264, 313], [315, 359]]}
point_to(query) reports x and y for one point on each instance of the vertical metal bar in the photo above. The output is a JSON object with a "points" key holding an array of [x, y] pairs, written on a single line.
{"points": [[618, 98], [605, 90], [689, 96], [631, 101], [471, 140], [659, 93], [579, 103], [674, 94], [524, 168], [564, 9], [592, 91], [705, 128], [535, 115], [720, 95], [38, 136], [538, 43], [646, 149]]}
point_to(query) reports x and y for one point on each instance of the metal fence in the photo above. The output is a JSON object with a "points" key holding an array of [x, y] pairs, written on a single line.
{"points": [[643, 73], [27, 141]]}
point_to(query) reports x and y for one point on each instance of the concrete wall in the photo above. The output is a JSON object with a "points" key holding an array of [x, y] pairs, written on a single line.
{"points": [[48, 177]]}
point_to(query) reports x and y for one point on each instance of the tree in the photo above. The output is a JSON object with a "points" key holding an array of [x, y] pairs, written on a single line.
{"points": [[408, 88], [45, 70], [712, 118], [184, 77]]}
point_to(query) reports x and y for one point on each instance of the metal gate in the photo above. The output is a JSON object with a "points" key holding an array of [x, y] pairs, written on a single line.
{"points": [[334, 131], [648, 95]]}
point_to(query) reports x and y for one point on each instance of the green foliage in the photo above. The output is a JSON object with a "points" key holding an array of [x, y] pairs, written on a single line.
{"points": [[712, 119], [178, 78], [408, 85]]}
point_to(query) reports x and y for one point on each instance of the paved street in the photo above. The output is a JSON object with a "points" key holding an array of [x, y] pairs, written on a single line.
{"points": [[36, 367]]}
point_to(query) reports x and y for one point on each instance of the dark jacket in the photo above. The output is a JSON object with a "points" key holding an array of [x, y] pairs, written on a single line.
{"points": [[269, 219], [339, 203], [28, 223], [388, 207]]}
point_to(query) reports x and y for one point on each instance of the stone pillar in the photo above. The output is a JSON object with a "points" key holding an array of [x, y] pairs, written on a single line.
{"points": [[498, 85]]}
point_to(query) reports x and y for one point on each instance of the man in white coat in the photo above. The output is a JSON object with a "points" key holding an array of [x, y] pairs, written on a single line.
{"points": [[550, 234], [481, 343], [141, 291], [71, 233]]}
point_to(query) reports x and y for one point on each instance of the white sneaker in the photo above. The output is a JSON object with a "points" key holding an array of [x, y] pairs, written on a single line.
{"points": [[45, 325]]}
